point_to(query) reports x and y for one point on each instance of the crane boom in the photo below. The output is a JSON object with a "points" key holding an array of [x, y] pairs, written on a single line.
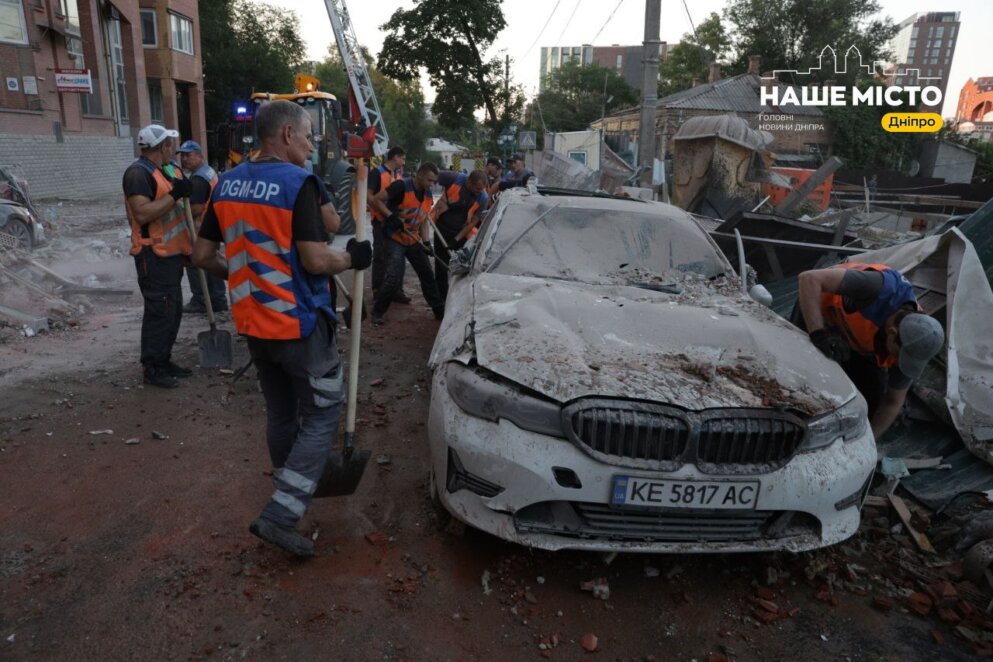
{"points": [[358, 74]]}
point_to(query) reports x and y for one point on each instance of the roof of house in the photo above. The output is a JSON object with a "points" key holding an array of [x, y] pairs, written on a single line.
{"points": [[737, 94]]}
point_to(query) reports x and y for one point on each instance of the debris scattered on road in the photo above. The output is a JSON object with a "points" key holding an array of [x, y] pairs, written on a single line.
{"points": [[589, 642], [598, 586], [95, 432], [485, 581], [133, 441], [376, 382], [377, 538], [383, 460], [159, 435], [651, 571]]}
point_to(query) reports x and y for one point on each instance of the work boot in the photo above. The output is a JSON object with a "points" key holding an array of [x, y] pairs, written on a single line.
{"points": [[377, 320], [174, 370], [283, 536], [220, 307], [159, 377], [439, 312], [193, 307], [401, 297]]}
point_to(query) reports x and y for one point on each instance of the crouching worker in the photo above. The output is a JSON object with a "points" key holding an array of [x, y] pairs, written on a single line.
{"points": [[866, 317], [267, 212]]}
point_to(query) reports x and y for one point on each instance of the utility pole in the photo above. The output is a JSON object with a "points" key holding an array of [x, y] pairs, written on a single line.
{"points": [[649, 90], [506, 88]]}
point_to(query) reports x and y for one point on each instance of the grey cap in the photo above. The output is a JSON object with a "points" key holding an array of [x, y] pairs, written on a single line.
{"points": [[921, 337]]}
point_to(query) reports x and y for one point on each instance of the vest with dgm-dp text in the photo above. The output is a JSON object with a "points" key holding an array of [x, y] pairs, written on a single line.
{"points": [[272, 296], [412, 212], [861, 327], [167, 235]]}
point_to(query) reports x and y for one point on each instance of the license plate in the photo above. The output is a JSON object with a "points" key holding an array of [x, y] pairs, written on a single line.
{"points": [[651, 493]]}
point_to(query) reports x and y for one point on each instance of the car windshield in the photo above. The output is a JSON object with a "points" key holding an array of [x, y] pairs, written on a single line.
{"points": [[601, 245]]}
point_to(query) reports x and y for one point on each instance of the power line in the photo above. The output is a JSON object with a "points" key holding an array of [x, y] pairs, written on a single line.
{"points": [[558, 42], [690, 18], [621, 2], [549, 20]]}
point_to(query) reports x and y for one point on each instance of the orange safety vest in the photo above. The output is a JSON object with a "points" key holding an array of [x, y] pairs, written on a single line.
{"points": [[167, 235], [861, 327], [453, 195], [412, 212], [385, 179], [272, 296]]}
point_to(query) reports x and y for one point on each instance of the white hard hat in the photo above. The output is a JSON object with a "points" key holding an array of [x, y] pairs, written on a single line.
{"points": [[153, 134]]}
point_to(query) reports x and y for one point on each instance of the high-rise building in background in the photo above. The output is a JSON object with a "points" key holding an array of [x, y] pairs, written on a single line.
{"points": [[974, 115], [625, 60], [922, 51]]}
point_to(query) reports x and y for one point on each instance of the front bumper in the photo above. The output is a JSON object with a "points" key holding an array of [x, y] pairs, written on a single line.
{"points": [[506, 485]]}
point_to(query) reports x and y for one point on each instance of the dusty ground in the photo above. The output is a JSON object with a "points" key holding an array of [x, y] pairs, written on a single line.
{"points": [[112, 550]]}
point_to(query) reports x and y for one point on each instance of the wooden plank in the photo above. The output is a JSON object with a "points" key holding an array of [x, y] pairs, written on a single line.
{"points": [[901, 509]]}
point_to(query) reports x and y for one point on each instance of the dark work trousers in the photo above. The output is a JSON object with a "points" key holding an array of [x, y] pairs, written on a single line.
{"points": [[160, 280], [442, 256], [869, 378], [396, 255], [302, 381], [216, 286], [379, 240]]}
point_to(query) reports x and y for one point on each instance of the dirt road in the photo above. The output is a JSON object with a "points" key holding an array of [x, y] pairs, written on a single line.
{"points": [[124, 514]]}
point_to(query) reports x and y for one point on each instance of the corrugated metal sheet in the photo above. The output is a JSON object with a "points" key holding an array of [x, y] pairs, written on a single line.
{"points": [[738, 94], [978, 229], [727, 127]]}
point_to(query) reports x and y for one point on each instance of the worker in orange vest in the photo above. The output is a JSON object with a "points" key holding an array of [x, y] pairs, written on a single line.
{"points": [[404, 206], [203, 179], [866, 317], [267, 213], [160, 244], [380, 178], [456, 216]]}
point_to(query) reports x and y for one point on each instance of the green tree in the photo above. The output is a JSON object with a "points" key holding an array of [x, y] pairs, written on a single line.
{"points": [[235, 36], [859, 140], [576, 95], [790, 34], [691, 58], [449, 40], [402, 102]]}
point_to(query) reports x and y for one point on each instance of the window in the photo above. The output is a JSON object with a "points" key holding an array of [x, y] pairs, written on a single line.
{"points": [[74, 46], [155, 99], [620, 62], [182, 33], [149, 28], [939, 31], [13, 27], [578, 156], [70, 9]]}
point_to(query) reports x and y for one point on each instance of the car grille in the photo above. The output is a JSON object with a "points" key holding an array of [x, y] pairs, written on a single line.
{"points": [[641, 435], [651, 436], [748, 440], [600, 521]]}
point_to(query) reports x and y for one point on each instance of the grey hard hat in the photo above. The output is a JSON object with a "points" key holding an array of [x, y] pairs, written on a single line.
{"points": [[921, 337]]}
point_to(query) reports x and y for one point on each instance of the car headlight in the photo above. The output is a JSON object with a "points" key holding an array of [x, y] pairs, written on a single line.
{"points": [[484, 395], [847, 422]]}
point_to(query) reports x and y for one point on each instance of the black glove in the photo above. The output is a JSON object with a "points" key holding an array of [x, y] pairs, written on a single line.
{"points": [[360, 252], [831, 345], [427, 248], [392, 224], [181, 188]]}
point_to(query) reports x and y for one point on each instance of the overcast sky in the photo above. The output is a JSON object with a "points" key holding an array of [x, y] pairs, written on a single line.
{"points": [[526, 19]]}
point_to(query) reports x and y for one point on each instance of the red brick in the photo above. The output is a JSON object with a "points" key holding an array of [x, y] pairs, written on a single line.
{"points": [[938, 637], [882, 603], [765, 616], [948, 615], [767, 605], [765, 593], [717, 657], [920, 603]]}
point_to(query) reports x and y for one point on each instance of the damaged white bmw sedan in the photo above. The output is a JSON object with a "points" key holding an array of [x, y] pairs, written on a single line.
{"points": [[601, 383]]}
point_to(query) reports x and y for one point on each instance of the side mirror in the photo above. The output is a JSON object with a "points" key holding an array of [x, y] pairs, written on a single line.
{"points": [[761, 294]]}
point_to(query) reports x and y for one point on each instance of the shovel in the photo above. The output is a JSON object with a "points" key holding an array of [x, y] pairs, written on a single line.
{"points": [[344, 469], [215, 346]]}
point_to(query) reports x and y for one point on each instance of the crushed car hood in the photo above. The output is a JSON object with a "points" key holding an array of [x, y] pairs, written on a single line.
{"points": [[569, 340]]}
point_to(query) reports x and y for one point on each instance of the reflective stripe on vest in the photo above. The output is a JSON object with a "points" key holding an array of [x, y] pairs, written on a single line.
{"points": [[166, 235], [412, 212], [272, 296], [210, 175], [385, 179], [861, 327]]}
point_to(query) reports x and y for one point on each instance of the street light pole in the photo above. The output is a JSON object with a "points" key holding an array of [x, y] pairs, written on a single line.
{"points": [[649, 90]]}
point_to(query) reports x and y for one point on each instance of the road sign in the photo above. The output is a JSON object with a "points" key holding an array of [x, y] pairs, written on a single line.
{"points": [[527, 140]]}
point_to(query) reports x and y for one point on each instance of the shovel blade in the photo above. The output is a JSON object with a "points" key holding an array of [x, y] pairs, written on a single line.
{"points": [[215, 349], [342, 473]]}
